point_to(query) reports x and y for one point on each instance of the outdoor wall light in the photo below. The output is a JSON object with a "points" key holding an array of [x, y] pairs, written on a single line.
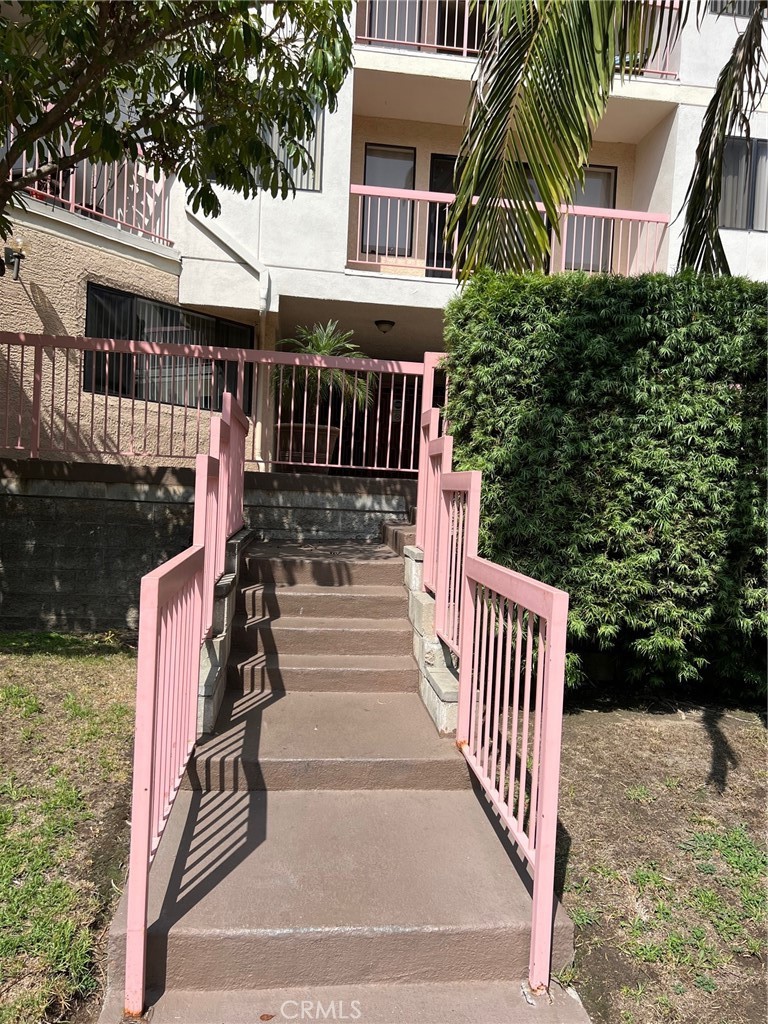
{"points": [[385, 326], [13, 255]]}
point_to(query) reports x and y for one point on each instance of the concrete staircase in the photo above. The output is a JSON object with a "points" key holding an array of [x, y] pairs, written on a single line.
{"points": [[328, 846]]}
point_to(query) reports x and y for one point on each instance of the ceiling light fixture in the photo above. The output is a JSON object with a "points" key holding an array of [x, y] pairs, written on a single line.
{"points": [[385, 326]]}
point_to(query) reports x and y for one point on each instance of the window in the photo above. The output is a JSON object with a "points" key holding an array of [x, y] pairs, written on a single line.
{"points": [[590, 239], [736, 8], [388, 222], [744, 197], [174, 380]]}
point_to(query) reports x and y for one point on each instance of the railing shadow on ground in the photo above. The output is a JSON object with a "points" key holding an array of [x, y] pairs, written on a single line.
{"points": [[227, 818]]}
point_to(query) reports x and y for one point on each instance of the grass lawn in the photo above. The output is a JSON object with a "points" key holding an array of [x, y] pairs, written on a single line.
{"points": [[66, 718], [662, 851]]}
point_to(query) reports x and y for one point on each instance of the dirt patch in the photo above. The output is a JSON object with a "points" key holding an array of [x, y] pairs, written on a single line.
{"points": [[663, 861]]}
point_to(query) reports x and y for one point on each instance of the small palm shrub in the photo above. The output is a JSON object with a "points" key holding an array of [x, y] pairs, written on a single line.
{"points": [[620, 427], [329, 383]]}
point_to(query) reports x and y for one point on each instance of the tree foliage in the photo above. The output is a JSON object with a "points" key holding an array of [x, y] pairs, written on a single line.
{"points": [[620, 427], [211, 90], [546, 71]]}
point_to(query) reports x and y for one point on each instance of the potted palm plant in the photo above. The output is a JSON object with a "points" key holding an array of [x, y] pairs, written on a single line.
{"points": [[310, 400]]}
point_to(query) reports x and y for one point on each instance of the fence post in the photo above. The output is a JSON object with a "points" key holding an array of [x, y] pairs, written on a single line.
{"points": [[429, 427], [141, 803], [467, 624], [549, 784], [37, 392]]}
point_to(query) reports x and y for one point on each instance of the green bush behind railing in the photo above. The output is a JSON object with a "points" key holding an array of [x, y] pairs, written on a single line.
{"points": [[620, 425]]}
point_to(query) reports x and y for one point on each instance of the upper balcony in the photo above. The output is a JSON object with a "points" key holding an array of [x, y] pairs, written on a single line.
{"points": [[454, 28], [402, 232], [126, 195]]}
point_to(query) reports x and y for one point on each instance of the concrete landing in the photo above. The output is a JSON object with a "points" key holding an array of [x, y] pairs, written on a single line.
{"points": [[279, 889], [445, 1003], [326, 741]]}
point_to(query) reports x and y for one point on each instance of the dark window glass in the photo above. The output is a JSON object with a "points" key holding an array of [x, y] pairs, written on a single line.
{"points": [[159, 378], [744, 187]]}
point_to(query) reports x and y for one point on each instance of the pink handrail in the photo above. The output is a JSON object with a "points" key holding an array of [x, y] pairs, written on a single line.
{"points": [[171, 604], [175, 616], [509, 633]]}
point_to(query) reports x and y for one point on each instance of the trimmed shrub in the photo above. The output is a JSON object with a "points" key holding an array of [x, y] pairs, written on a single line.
{"points": [[620, 425]]}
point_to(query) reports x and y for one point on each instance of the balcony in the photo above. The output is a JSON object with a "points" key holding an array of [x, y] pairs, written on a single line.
{"points": [[124, 194], [455, 28], [402, 232]]}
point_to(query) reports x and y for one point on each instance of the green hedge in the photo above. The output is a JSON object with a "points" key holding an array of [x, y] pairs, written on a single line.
{"points": [[620, 424]]}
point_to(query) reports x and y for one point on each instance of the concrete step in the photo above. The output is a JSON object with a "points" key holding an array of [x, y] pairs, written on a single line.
{"points": [[254, 600], [270, 890], [457, 1002], [275, 741], [326, 565], [247, 671], [309, 635], [398, 535]]}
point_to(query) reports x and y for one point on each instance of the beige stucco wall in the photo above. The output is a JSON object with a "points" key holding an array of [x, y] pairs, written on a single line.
{"points": [[50, 296]]}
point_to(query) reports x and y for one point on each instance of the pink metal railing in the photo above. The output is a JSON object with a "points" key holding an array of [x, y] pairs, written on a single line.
{"points": [[168, 672], [456, 28], [89, 398], [122, 193], [508, 632], [458, 512], [402, 231], [175, 615], [510, 727], [453, 27], [345, 413]]}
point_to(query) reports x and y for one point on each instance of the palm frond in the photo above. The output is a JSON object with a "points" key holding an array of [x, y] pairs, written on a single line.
{"points": [[741, 86], [542, 85]]}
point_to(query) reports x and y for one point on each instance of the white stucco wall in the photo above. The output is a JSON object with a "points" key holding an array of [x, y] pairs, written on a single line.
{"points": [[747, 251]]}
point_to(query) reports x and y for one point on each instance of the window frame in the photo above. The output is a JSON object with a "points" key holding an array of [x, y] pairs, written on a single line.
{"points": [[750, 185]]}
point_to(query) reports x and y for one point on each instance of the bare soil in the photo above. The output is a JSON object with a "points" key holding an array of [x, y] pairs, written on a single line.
{"points": [[662, 863]]}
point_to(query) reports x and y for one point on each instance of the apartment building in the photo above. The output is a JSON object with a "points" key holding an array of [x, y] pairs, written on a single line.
{"points": [[111, 252]]}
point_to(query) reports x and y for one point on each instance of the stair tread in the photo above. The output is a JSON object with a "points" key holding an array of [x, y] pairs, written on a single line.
{"points": [[343, 662], [460, 1002], [350, 590], [335, 624], [346, 551], [325, 726], [335, 862]]}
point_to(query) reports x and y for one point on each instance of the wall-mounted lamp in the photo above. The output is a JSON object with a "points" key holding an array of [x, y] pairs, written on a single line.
{"points": [[13, 255], [385, 326]]}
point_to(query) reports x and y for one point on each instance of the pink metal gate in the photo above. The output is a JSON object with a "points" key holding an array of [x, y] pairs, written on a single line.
{"points": [[509, 633]]}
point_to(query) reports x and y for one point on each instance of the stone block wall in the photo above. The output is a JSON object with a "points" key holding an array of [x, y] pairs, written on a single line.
{"points": [[75, 540]]}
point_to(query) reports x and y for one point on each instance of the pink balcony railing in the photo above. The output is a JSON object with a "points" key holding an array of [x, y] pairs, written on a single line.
{"points": [[508, 633], [452, 27], [123, 193], [403, 232], [102, 400], [456, 28], [175, 610]]}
